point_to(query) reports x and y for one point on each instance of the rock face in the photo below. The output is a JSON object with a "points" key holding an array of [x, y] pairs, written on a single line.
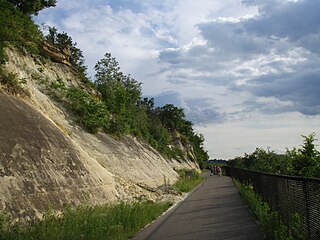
{"points": [[47, 160], [56, 54], [41, 167]]}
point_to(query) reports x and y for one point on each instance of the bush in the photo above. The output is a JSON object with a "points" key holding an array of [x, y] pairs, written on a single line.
{"points": [[91, 111], [12, 84]]}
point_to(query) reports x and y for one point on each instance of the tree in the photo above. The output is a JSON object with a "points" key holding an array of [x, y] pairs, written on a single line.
{"points": [[32, 6], [202, 156], [17, 29], [307, 159], [64, 41], [304, 161], [174, 118], [121, 93]]}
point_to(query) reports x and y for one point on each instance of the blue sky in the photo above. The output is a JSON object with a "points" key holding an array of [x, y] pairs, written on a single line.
{"points": [[246, 72]]}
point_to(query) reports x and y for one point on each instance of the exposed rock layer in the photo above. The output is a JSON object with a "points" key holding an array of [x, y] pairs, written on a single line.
{"points": [[47, 160]]}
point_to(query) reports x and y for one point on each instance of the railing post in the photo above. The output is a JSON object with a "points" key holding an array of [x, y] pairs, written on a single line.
{"points": [[306, 195]]}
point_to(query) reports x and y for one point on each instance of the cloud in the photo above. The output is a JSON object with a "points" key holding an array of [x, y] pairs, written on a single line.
{"points": [[169, 97], [271, 55], [199, 111], [300, 88], [297, 22]]}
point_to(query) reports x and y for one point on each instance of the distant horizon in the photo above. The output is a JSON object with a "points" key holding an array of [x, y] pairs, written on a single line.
{"points": [[245, 71]]}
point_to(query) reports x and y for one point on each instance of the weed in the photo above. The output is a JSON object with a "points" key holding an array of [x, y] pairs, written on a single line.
{"points": [[12, 84], [120, 221], [187, 182]]}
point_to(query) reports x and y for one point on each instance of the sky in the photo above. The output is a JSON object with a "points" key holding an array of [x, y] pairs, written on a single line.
{"points": [[246, 72]]}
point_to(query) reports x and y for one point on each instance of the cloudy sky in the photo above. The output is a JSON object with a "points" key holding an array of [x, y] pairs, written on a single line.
{"points": [[247, 72]]}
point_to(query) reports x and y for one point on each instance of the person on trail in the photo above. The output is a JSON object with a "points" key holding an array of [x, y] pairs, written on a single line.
{"points": [[219, 171], [211, 170]]}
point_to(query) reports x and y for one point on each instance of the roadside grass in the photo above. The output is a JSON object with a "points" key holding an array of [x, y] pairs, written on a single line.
{"points": [[187, 182], [270, 221], [115, 222]]}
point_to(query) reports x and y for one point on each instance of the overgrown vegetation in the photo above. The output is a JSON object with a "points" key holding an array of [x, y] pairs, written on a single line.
{"points": [[303, 161], [120, 221], [270, 221], [187, 181], [17, 28], [92, 113]]}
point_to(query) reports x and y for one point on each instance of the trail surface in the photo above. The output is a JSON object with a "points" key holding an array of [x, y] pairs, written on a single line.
{"points": [[214, 210]]}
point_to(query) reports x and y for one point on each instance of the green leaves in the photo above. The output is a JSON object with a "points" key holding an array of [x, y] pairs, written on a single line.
{"points": [[92, 112], [307, 160], [120, 93], [304, 161], [17, 29], [64, 42], [32, 6]]}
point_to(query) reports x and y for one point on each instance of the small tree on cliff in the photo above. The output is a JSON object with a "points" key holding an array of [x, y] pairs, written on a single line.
{"points": [[64, 41], [121, 93]]}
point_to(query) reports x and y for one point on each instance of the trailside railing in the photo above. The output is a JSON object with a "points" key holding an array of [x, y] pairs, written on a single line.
{"points": [[288, 195]]}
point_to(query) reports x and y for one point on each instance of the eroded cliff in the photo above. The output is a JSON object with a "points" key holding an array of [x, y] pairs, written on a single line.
{"points": [[46, 159]]}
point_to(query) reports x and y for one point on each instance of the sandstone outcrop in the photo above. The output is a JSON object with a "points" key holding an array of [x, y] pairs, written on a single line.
{"points": [[57, 54]]}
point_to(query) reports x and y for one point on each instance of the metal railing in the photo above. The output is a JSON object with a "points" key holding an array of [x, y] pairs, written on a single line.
{"points": [[288, 195]]}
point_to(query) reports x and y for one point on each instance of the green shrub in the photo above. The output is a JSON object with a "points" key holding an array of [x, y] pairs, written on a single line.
{"points": [[12, 84], [91, 111]]}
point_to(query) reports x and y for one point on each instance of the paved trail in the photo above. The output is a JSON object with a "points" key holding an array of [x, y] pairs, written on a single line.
{"points": [[213, 211]]}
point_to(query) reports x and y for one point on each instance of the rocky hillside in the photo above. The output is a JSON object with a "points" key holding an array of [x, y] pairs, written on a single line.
{"points": [[47, 160]]}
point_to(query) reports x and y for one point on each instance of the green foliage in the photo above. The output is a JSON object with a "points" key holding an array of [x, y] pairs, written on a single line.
{"points": [[120, 94], [187, 182], [174, 118], [17, 29], [32, 6], [270, 221], [92, 113], [198, 147], [307, 160], [12, 84], [64, 42], [120, 221], [304, 161]]}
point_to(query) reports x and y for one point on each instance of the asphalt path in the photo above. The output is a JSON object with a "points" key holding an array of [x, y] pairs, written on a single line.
{"points": [[214, 210]]}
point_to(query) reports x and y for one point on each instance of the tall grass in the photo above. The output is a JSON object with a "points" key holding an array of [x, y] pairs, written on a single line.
{"points": [[115, 222], [187, 183]]}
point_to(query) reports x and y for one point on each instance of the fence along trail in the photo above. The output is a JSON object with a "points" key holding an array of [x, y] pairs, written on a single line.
{"points": [[288, 195]]}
